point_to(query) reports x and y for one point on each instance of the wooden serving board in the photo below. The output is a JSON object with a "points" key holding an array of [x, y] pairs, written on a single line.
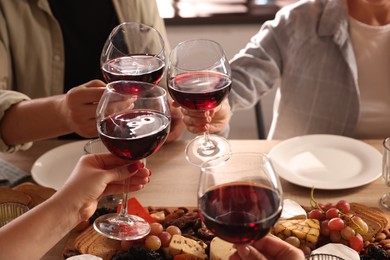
{"points": [[85, 240]]}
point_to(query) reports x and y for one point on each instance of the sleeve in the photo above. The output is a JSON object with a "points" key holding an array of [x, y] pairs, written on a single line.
{"points": [[7, 99], [256, 69], [159, 24], [5, 64]]}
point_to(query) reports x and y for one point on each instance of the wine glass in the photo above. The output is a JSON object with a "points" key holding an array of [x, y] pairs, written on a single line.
{"points": [[199, 78], [133, 51], [385, 199], [131, 127], [239, 196]]}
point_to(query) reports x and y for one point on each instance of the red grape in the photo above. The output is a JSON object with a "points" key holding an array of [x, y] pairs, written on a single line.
{"points": [[343, 206], [336, 224], [324, 229], [356, 243], [332, 213], [347, 233], [173, 230], [316, 214], [165, 238]]}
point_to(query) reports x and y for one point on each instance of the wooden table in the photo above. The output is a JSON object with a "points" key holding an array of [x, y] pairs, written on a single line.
{"points": [[174, 181]]}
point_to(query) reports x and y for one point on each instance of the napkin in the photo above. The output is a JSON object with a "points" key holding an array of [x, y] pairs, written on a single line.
{"points": [[10, 175], [339, 250]]}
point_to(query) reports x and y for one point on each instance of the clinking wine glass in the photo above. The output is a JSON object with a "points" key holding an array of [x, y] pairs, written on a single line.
{"points": [[131, 127], [385, 199], [239, 196], [199, 78], [133, 51]]}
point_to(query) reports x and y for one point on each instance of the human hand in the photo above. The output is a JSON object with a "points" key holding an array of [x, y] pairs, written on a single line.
{"points": [[177, 125], [268, 247], [97, 175], [78, 108], [214, 120]]}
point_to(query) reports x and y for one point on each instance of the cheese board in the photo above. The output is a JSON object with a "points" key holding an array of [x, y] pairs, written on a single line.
{"points": [[206, 245]]}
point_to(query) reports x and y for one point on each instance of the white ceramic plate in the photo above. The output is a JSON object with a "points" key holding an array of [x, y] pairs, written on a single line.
{"points": [[328, 162], [53, 168]]}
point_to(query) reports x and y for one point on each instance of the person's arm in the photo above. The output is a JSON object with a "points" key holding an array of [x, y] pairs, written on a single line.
{"points": [[31, 235], [268, 247], [257, 68], [49, 117]]}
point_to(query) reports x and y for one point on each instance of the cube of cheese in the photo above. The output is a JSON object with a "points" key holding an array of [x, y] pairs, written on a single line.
{"points": [[306, 230], [221, 249], [184, 245]]}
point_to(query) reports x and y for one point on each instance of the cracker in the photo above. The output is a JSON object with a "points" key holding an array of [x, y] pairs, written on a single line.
{"points": [[374, 217]]}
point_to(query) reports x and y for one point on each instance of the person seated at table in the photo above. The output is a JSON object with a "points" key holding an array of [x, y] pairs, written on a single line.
{"points": [[329, 63], [269, 247], [57, 72], [32, 234], [49, 57]]}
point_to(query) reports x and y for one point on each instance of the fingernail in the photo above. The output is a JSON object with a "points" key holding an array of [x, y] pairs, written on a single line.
{"points": [[150, 172], [148, 180], [246, 250], [132, 167]]}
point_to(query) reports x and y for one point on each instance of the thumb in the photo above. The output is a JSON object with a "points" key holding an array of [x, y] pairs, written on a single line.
{"points": [[247, 252]]}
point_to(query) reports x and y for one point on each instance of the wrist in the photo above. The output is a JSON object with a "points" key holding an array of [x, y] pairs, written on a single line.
{"points": [[62, 112], [63, 205]]}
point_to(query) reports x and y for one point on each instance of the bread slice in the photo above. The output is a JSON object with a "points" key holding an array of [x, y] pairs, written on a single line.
{"points": [[7, 194], [37, 193]]}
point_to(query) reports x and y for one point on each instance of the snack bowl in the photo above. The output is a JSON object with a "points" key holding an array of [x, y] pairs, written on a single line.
{"points": [[11, 210]]}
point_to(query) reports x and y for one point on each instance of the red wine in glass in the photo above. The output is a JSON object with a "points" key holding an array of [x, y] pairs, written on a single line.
{"points": [[134, 135], [240, 213], [142, 67], [199, 90]]}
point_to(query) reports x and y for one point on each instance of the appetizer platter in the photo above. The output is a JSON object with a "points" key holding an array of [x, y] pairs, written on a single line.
{"points": [[178, 233]]}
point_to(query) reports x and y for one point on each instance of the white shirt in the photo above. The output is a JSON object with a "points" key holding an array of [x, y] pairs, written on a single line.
{"points": [[371, 46]]}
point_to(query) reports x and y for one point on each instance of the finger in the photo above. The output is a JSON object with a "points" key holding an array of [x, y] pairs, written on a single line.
{"points": [[87, 93], [175, 104], [127, 180], [248, 253], [119, 188], [197, 129], [196, 114], [109, 161]]}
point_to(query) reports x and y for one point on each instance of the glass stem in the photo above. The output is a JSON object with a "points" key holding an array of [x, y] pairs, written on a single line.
{"points": [[207, 144], [125, 201]]}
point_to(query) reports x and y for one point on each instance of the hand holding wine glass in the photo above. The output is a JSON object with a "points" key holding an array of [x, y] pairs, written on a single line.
{"points": [[239, 196], [131, 127], [199, 78]]}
